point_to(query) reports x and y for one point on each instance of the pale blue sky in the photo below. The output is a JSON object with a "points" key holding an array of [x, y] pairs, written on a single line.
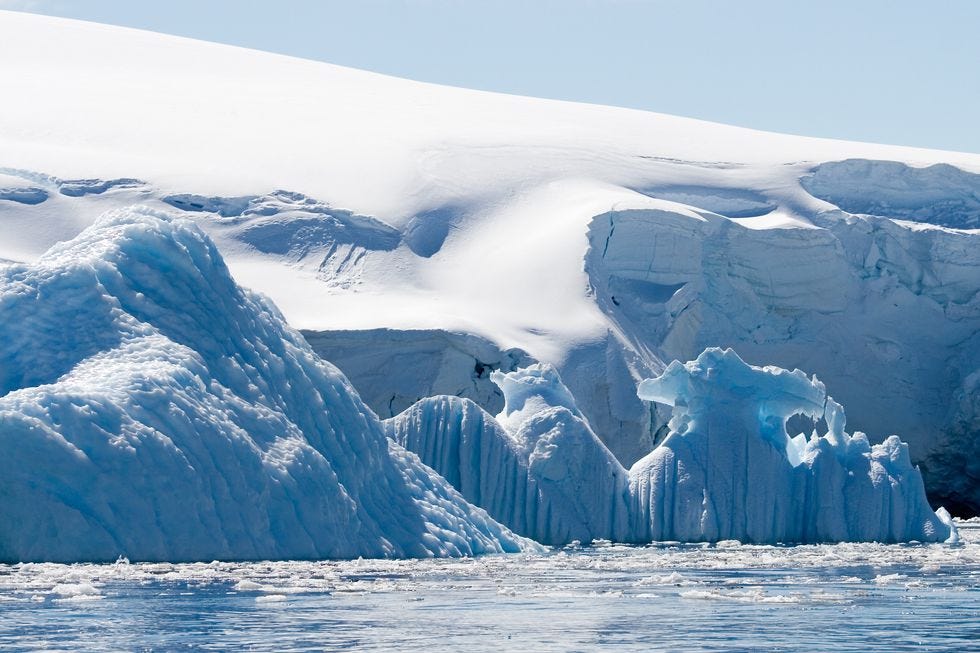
{"points": [[898, 71]]}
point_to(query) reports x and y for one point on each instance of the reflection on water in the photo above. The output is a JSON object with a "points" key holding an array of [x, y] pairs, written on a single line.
{"points": [[847, 597]]}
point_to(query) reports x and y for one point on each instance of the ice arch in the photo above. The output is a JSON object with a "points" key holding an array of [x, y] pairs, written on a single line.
{"points": [[729, 470]]}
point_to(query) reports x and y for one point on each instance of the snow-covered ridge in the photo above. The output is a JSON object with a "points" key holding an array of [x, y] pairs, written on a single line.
{"points": [[151, 408], [606, 242]]}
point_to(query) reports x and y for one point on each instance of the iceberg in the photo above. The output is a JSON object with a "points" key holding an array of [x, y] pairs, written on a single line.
{"points": [[537, 467], [412, 216], [729, 470], [151, 408]]}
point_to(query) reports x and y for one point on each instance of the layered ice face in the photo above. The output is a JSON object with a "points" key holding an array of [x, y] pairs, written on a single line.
{"points": [[153, 409]]}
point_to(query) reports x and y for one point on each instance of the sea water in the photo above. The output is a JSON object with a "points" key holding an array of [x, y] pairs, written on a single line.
{"points": [[668, 596]]}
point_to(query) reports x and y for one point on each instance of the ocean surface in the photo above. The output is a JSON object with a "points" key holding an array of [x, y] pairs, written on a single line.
{"points": [[729, 596]]}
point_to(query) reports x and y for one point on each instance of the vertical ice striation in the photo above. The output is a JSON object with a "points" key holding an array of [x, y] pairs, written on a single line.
{"points": [[537, 468], [465, 445], [729, 470], [151, 408]]}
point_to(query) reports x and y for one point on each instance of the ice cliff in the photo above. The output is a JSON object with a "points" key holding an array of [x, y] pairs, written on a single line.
{"points": [[726, 470], [151, 408]]}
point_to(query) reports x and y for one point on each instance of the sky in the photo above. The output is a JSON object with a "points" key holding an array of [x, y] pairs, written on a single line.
{"points": [[903, 72]]}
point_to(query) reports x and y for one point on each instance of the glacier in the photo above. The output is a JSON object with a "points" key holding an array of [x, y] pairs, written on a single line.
{"points": [[422, 237], [727, 470], [151, 408]]}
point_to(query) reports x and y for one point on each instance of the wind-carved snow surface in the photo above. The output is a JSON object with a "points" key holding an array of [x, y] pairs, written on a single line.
{"points": [[298, 229], [151, 408], [727, 470]]}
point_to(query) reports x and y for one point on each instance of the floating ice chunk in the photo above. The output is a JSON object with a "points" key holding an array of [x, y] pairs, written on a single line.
{"points": [[271, 598], [947, 519], [728, 469], [726, 472], [75, 589], [151, 408], [538, 468]]}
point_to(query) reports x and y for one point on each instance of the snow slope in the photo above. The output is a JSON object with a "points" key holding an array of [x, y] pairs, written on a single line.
{"points": [[606, 242], [151, 408]]}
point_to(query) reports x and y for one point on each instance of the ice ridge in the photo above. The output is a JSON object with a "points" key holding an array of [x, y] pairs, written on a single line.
{"points": [[153, 409]]}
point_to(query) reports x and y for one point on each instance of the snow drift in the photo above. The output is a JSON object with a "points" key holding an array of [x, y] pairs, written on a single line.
{"points": [[726, 470], [151, 408]]}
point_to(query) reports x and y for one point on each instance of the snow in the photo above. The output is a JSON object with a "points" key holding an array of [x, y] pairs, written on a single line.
{"points": [[456, 230], [153, 409]]}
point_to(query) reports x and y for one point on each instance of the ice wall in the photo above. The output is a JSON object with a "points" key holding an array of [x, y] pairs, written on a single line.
{"points": [[884, 308], [394, 368], [151, 408]]}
